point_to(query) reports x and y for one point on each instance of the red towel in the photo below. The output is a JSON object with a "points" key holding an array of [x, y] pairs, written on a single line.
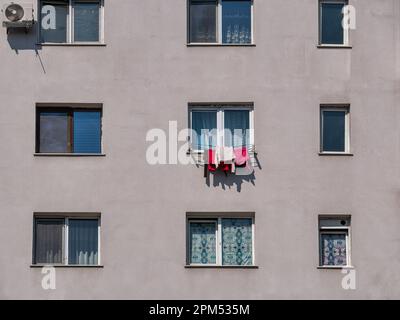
{"points": [[211, 163]]}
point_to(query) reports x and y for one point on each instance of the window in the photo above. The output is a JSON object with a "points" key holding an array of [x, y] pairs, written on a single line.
{"points": [[335, 129], [66, 240], [334, 234], [71, 21], [220, 21], [221, 241], [221, 125], [68, 130], [331, 31]]}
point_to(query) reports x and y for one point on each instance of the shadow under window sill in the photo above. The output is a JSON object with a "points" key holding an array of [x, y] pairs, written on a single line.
{"points": [[337, 154], [334, 46], [69, 154], [99, 266], [190, 266], [335, 267], [75, 44], [194, 44]]}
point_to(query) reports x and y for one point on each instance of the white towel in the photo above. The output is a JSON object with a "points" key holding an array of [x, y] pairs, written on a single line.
{"points": [[226, 155]]}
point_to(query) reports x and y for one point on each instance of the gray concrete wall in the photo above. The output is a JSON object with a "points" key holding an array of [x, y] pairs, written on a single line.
{"points": [[145, 76]]}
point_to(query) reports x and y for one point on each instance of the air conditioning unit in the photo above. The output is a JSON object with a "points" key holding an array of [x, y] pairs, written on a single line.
{"points": [[17, 15]]}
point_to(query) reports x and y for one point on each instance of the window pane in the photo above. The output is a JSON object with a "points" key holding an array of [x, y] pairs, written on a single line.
{"points": [[236, 21], [54, 30], [203, 243], [237, 125], [334, 131], [87, 131], [333, 247], [54, 132], [203, 20], [204, 122], [86, 21], [83, 241], [237, 242], [331, 19], [48, 240]]}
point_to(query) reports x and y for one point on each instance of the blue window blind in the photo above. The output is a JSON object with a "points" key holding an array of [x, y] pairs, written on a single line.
{"points": [[333, 127], [236, 21], [87, 131], [83, 242], [204, 125], [237, 125], [86, 21], [331, 23]]}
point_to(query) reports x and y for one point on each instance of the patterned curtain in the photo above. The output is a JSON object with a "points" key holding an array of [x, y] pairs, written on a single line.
{"points": [[333, 249], [237, 242], [202, 243]]}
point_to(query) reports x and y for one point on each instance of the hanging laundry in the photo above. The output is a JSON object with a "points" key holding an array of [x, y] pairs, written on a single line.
{"points": [[225, 157], [210, 160], [241, 156]]}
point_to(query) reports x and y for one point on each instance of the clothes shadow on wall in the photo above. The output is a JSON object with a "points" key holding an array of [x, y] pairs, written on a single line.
{"points": [[20, 39], [230, 180]]}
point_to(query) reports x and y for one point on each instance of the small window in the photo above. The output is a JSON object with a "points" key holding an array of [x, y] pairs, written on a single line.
{"points": [[330, 22], [220, 21], [334, 234], [68, 130], [221, 241], [71, 21], [335, 129], [221, 125], [66, 241]]}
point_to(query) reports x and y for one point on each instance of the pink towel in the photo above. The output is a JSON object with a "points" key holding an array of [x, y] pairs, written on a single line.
{"points": [[241, 156]]}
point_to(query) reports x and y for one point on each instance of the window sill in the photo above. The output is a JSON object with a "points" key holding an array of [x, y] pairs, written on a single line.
{"points": [[188, 266], [334, 46], [67, 266], [335, 267], [221, 44], [343, 154], [76, 44], [69, 155]]}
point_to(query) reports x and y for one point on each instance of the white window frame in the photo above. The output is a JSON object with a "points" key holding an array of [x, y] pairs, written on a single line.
{"points": [[330, 108], [345, 230], [220, 111], [70, 24], [218, 237], [65, 231], [346, 32], [218, 27]]}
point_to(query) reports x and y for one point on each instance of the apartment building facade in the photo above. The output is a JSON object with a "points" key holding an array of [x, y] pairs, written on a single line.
{"points": [[313, 206]]}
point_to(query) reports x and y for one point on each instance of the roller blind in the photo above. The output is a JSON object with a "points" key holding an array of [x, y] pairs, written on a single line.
{"points": [[87, 131]]}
